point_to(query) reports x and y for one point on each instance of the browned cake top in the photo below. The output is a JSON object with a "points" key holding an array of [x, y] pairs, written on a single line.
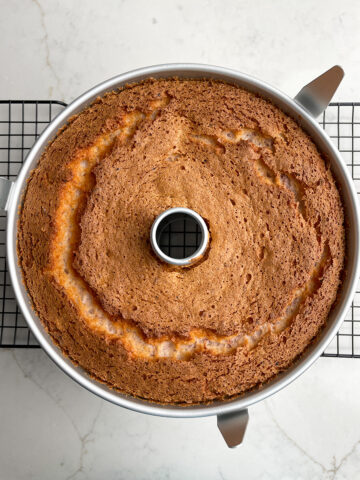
{"points": [[268, 279]]}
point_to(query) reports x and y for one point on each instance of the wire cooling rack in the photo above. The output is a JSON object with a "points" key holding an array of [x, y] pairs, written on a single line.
{"points": [[179, 237], [21, 122]]}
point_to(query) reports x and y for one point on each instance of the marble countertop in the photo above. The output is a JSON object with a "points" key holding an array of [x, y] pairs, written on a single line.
{"points": [[51, 427]]}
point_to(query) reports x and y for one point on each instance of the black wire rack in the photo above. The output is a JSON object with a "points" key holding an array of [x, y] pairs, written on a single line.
{"points": [[179, 238], [21, 122]]}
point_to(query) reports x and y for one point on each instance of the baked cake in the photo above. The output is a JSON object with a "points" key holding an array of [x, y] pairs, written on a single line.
{"points": [[224, 325]]}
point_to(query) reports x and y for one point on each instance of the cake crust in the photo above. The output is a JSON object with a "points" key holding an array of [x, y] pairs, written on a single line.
{"points": [[224, 325]]}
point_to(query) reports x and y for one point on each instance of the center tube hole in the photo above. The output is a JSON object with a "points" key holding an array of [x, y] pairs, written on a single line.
{"points": [[179, 235]]}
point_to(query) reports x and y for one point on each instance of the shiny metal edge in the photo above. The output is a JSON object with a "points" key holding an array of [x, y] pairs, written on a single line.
{"points": [[316, 95], [6, 187], [233, 426], [350, 201]]}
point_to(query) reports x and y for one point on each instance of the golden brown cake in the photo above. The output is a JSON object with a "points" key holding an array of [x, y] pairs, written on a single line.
{"points": [[227, 323]]}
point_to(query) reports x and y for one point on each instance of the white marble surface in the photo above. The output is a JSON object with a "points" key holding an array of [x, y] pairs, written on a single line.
{"points": [[49, 426]]}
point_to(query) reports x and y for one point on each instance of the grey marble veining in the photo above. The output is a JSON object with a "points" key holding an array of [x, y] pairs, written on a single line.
{"points": [[52, 428]]}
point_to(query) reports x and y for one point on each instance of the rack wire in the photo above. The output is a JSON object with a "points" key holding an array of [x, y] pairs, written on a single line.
{"points": [[22, 121], [179, 238]]}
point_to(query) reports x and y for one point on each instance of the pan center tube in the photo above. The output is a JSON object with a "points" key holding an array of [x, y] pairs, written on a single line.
{"points": [[179, 236]]}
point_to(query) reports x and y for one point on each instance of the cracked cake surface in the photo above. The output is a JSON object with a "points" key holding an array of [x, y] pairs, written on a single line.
{"points": [[249, 307]]}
